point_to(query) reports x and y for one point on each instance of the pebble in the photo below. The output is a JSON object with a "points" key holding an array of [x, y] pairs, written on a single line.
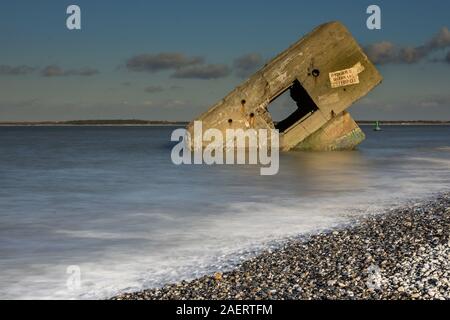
{"points": [[400, 254]]}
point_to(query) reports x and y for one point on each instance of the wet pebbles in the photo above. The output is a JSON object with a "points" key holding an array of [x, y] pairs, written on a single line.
{"points": [[402, 254]]}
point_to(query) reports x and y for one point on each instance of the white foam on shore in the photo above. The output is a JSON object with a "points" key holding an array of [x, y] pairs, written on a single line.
{"points": [[210, 244]]}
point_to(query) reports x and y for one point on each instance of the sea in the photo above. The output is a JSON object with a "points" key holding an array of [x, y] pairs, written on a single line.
{"points": [[87, 212]]}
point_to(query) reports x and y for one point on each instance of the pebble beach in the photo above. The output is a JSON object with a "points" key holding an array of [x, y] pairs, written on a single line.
{"points": [[400, 254]]}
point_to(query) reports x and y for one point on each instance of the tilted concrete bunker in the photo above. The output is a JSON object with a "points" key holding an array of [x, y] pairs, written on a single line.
{"points": [[326, 72]]}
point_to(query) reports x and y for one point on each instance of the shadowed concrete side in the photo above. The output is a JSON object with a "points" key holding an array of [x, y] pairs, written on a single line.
{"points": [[340, 133]]}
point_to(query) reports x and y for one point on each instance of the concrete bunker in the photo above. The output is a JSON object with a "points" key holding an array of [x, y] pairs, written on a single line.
{"points": [[325, 72]]}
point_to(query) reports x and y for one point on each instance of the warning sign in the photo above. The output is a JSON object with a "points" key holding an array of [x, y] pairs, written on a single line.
{"points": [[345, 77]]}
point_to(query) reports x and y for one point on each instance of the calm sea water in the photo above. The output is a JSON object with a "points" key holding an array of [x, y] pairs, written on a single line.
{"points": [[110, 201]]}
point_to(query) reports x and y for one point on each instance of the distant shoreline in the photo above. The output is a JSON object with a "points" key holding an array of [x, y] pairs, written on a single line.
{"points": [[94, 123], [405, 123], [180, 123]]}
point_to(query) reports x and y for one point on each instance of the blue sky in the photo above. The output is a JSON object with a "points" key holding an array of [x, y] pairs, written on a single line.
{"points": [[50, 73]]}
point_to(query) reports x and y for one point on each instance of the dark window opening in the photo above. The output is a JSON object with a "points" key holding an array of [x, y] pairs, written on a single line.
{"points": [[302, 106]]}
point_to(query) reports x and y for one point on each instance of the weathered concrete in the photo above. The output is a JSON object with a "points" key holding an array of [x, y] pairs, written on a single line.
{"points": [[333, 72], [340, 133]]}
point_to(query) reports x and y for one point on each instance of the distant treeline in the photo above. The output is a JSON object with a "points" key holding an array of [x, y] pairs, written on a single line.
{"points": [[96, 122], [399, 122], [165, 122]]}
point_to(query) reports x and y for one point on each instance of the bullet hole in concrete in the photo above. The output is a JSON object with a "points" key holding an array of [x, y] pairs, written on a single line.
{"points": [[243, 101], [230, 121], [316, 73], [252, 115]]}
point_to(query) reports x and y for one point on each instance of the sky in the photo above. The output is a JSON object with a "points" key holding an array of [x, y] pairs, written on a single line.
{"points": [[172, 60]]}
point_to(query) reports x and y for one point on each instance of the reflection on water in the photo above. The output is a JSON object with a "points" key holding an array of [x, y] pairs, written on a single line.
{"points": [[331, 171], [109, 200]]}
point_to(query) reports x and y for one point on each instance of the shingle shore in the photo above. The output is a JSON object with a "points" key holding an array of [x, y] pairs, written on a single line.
{"points": [[402, 254]]}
